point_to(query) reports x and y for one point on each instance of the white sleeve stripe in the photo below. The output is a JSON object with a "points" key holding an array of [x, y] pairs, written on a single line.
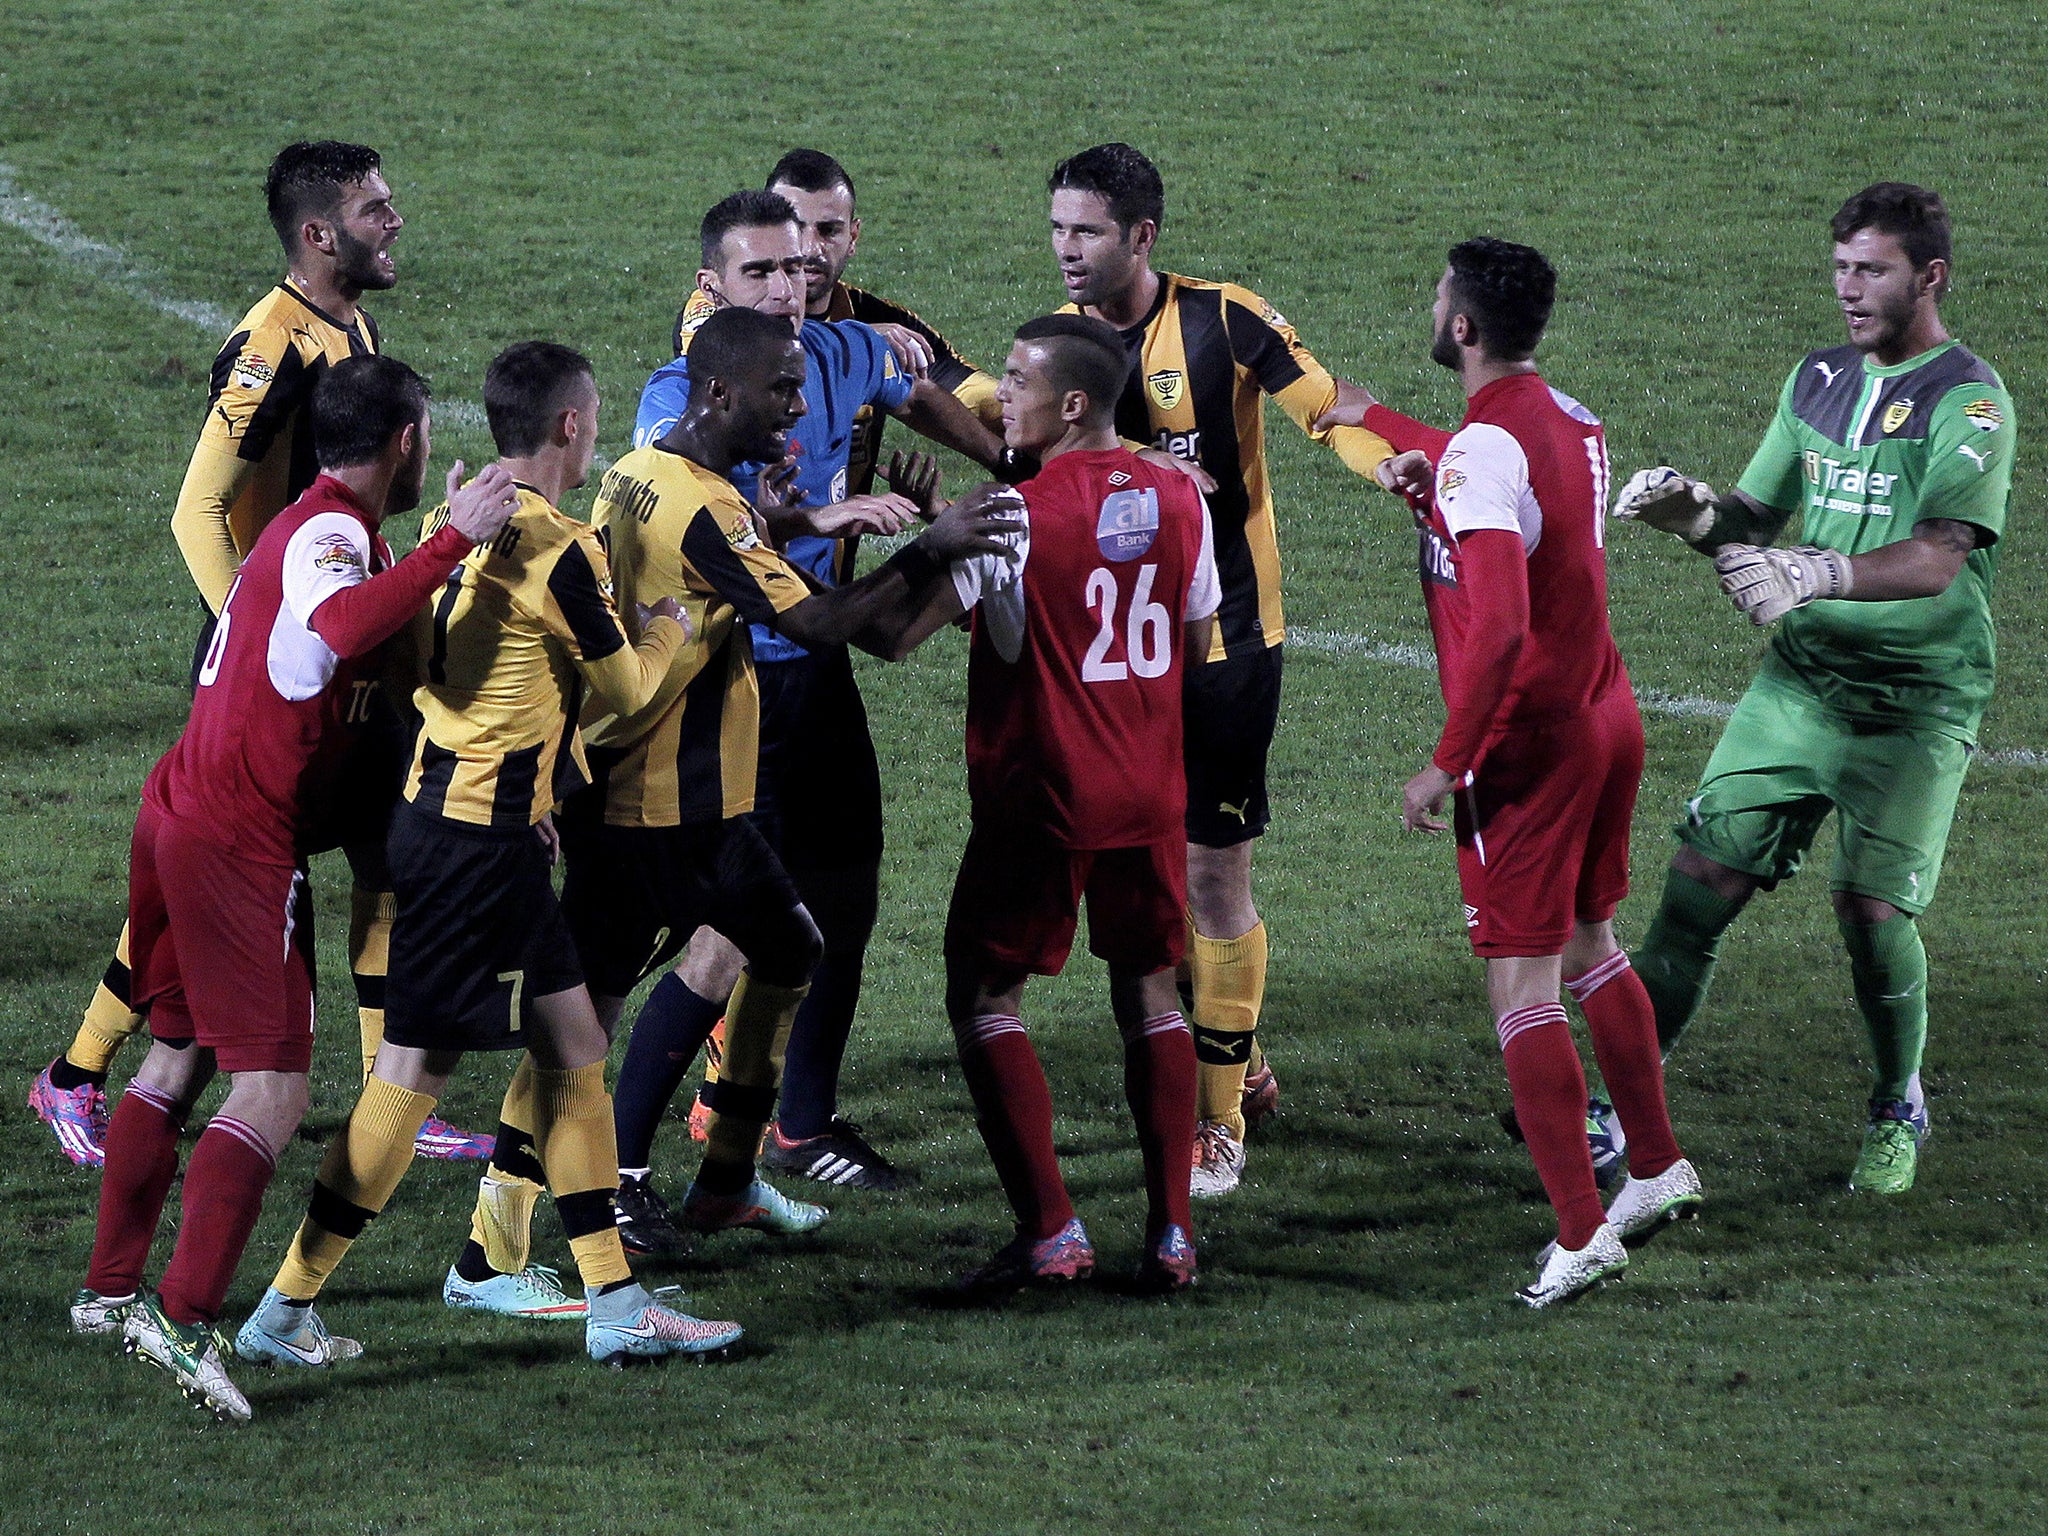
{"points": [[1205, 590], [329, 553], [1482, 481]]}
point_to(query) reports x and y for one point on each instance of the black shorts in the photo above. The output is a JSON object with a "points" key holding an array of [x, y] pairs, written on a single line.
{"points": [[634, 895], [1232, 707], [819, 803], [367, 786], [478, 935]]}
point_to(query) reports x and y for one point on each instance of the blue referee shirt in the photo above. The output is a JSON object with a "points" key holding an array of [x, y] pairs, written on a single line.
{"points": [[847, 366]]}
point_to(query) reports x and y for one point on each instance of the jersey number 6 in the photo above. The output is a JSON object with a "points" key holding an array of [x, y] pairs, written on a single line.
{"points": [[1148, 630]]}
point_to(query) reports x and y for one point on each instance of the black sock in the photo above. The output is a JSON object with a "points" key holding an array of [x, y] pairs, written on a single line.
{"points": [[68, 1078]]}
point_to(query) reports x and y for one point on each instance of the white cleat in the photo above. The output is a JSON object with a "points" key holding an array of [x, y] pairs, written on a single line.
{"points": [[1646, 1206], [279, 1333], [1569, 1272], [1219, 1160], [191, 1356], [94, 1313]]}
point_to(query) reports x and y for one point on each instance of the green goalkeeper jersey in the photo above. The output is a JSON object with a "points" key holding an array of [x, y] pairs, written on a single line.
{"points": [[1864, 453]]}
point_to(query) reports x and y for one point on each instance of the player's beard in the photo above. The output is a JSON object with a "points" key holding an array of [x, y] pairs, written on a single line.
{"points": [[1443, 347], [357, 265], [410, 483], [1893, 318]]}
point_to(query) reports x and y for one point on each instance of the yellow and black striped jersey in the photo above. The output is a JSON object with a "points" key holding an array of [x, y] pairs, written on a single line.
{"points": [[255, 450], [675, 529], [1200, 361], [509, 644]]}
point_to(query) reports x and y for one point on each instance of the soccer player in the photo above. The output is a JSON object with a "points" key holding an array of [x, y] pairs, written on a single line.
{"points": [[1897, 452], [1202, 354], [1542, 747], [332, 212], [1082, 635], [219, 922], [482, 959], [820, 796]]}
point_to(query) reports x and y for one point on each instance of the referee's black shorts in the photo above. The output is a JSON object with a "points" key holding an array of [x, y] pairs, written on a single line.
{"points": [[1231, 709], [477, 937]]}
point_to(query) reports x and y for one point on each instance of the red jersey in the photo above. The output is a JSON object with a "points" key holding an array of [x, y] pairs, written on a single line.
{"points": [[289, 674], [1531, 462], [1074, 674]]}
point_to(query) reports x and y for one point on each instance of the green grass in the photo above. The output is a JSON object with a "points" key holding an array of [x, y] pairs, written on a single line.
{"points": [[1352, 1361]]}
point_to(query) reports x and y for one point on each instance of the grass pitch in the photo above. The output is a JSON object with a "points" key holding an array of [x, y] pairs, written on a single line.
{"points": [[1352, 1362]]}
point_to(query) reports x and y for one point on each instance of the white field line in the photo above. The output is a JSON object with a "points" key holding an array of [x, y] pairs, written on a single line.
{"points": [[1401, 653], [114, 267]]}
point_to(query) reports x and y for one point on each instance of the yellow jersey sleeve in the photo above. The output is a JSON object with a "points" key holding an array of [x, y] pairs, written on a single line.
{"points": [[214, 481], [579, 612], [1262, 341]]}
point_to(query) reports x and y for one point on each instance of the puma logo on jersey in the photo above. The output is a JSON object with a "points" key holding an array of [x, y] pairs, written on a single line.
{"points": [[1973, 456], [1236, 810], [1830, 372]]}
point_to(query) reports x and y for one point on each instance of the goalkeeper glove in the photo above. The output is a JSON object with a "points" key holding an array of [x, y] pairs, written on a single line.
{"points": [[1767, 584], [1669, 501]]}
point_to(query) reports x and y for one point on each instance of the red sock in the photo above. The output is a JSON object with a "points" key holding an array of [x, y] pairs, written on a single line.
{"points": [[1159, 1082], [1623, 1024], [1550, 1102], [1013, 1107], [230, 1170], [142, 1159]]}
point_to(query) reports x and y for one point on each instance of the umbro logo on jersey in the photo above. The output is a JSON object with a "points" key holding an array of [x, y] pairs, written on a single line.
{"points": [[1471, 915], [1830, 372], [1119, 478], [1168, 385], [1973, 456]]}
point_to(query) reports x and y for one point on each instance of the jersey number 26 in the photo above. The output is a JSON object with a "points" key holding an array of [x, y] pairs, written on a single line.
{"points": [[1148, 630]]}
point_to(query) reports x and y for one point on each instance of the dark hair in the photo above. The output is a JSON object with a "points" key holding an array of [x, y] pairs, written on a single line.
{"points": [[1082, 353], [524, 387], [359, 403], [1121, 176], [810, 170], [1506, 290], [1913, 215], [308, 179], [743, 210], [731, 341]]}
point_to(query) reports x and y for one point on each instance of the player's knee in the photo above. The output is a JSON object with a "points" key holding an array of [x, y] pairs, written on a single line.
{"points": [[1728, 884], [787, 951], [1855, 910]]}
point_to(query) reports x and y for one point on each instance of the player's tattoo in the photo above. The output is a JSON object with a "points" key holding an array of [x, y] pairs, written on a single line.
{"points": [[1947, 533]]}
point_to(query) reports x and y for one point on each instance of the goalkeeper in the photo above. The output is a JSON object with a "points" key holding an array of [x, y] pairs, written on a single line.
{"points": [[1897, 451]]}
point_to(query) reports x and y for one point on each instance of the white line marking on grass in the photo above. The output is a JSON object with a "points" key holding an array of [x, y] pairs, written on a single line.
{"points": [[114, 267]]}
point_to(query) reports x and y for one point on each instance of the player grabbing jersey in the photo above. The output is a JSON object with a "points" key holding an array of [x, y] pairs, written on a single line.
{"points": [[1897, 453], [1542, 748], [483, 959], [1082, 634], [221, 930], [332, 211], [1203, 353]]}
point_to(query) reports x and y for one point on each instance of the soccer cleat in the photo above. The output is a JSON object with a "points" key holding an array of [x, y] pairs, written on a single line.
{"points": [[77, 1117], [1219, 1160], [191, 1355], [631, 1324], [1605, 1140], [760, 1205], [1261, 1098], [1065, 1256], [840, 1155], [536, 1291], [1169, 1264], [94, 1313], [646, 1225], [437, 1138], [1646, 1206], [700, 1119], [1570, 1272], [281, 1333], [1891, 1147]]}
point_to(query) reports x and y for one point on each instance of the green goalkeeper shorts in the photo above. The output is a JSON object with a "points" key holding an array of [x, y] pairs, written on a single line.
{"points": [[1784, 762]]}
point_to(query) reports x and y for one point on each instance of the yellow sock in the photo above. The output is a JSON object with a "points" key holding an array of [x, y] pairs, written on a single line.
{"points": [[1256, 1062], [369, 960], [357, 1176], [1230, 986], [502, 1224], [579, 1148], [108, 1023], [757, 1024]]}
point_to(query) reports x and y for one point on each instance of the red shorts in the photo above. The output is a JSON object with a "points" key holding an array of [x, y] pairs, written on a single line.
{"points": [[1018, 895], [1543, 829], [220, 947]]}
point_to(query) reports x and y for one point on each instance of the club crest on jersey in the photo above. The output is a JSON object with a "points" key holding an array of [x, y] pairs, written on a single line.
{"points": [[1984, 415], [1168, 385], [253, 370], [1127, 523], [1895, 416], [333, 552]]}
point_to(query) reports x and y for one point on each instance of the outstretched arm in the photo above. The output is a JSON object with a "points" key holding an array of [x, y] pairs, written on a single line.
{"points": [[934, 413]]}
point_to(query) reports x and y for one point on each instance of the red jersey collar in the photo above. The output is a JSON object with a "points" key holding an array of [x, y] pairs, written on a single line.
{"points": [[1499, 387], [335, 490]]}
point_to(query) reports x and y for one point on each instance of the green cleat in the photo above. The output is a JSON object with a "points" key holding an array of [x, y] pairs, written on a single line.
{"points": [[1891, 1148], [192, 1356]]}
